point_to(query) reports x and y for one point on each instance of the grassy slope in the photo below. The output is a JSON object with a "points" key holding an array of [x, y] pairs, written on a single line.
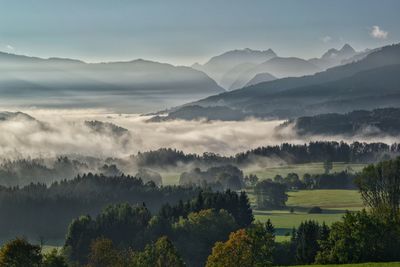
{"points": [[371, 264], [333, 202], [171, 178], [301, 169]]}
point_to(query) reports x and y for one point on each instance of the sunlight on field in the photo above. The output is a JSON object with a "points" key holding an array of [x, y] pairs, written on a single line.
{"points": [[371, 264], [172, 177], [326, 199], [301, 169], [334, 204]]}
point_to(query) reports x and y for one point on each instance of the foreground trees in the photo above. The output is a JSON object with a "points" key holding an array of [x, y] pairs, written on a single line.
{"points": [[250, 247], [196, 235], [306, 241], [103, 253], [380, 186], [125, 225], [193, 227], [270, 195], [238, 205], [19, 252], [159, 254], [369, 236], [361, 237]]}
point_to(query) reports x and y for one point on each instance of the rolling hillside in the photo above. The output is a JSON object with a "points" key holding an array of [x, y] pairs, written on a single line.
{"points": [[372, 82]]}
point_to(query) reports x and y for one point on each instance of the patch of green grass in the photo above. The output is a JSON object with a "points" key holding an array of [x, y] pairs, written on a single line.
{"points": [[172, 177], [301, 169], [47, 248], [370, 264], [326, 199], [334, 204], [284, 221]]}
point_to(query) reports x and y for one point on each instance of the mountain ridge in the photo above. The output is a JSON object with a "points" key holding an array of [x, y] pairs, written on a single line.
{"points": [[379, 68]]}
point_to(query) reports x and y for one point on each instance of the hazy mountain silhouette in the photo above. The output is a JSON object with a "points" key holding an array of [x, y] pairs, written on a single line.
{"points": [[219, 65], [231, 76], [278, 67], [137, 85], [358, 56], [334, 57], [371, 82], [261, 77]]}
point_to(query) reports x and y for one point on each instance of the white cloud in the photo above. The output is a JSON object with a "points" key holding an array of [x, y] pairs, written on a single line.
{"points": [[10, 47], [378, 33], [326, 39]]}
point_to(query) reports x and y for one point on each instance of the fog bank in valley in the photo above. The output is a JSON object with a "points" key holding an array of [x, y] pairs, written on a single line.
{"points": [[63, 132]]}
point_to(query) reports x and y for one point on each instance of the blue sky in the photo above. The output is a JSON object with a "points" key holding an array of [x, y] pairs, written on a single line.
{"points": [[185, 31]]}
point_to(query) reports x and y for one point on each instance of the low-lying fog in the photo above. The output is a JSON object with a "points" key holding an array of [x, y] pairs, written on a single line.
{"points": [[62, 132]]}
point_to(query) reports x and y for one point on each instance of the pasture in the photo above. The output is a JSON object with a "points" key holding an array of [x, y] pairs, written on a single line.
{"points": [[334, 204], [301, 169], [172, 177]]}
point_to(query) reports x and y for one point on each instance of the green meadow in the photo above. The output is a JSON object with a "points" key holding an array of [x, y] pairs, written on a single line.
{"points": [[301, 169], [172, 177], [369, 264]]}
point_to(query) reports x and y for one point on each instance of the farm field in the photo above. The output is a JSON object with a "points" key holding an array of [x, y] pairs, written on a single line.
{"points": [[369, 264], [334, 204], [301, 169], [172, 178]]}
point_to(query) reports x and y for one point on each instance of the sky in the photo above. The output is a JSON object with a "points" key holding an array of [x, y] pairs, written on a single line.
{"points": [[182, 32]]}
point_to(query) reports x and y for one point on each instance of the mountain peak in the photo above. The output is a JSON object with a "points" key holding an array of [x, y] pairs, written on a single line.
{"points": [[270, 51], [347, 49]]}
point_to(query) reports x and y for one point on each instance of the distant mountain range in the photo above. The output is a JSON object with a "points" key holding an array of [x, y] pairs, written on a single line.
{"points": [[144, 86], [373, 81], [361, 122], [235, 69], [334, 57], [133, 86], [220, 66]]}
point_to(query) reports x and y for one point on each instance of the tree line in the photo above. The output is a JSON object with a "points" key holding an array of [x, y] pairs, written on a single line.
{"points": [[356, 152], [38, 210], [217, 229], [21, 172]]}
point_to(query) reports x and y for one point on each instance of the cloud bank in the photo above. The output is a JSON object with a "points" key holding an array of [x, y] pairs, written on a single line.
{"points": [[61, 132]]}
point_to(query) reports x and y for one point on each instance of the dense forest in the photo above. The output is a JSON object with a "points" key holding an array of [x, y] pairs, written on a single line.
{"points": [[218, 229], [38, 210], [357, 152]]}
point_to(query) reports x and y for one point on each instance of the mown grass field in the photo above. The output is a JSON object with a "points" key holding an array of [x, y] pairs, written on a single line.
{"points": [[334, 204], [301, 169], [172, 177], [370, 264]]}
